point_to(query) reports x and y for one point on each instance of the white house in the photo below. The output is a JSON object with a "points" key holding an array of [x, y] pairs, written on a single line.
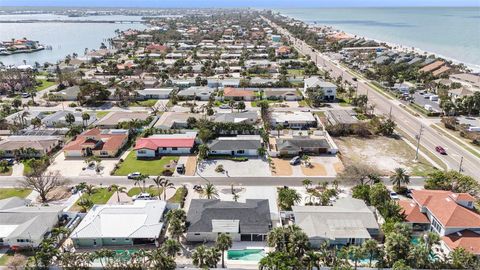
{"points": [[165, 144], [154, 93], [293, 120], [329, 89]]}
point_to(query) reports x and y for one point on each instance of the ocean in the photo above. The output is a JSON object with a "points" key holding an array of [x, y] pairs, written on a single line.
{"points": [[65, 38], [453, 33]]}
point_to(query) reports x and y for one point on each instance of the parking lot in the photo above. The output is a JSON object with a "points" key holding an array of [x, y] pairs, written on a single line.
{"points": [[423, 100]]}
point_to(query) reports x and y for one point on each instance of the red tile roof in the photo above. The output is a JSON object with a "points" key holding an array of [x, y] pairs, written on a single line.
{"points": [[90, 137], [412, 212], [155, 143], [235, 92], [445, 209], [466, 239]]}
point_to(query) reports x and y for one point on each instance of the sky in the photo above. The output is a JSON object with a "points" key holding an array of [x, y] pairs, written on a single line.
{"points": [[240, 3]]}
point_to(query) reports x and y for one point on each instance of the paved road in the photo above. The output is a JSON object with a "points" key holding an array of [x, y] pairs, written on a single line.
{"points": [[12, 181], [405, 121]]}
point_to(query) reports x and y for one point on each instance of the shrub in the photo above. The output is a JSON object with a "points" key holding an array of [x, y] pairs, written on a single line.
{"points": [[400, 190], [219, 169], [72, 105], [167, 173]]}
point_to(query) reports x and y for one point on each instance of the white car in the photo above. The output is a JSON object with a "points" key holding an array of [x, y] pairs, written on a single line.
{"points": [[295, 160], [133, 175], [394, 196], [143, 196], [225, 106]]}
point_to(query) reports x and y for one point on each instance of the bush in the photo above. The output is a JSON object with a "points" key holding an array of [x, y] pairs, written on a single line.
{"points": [[219, 169], [167, 173], [72, 105]]}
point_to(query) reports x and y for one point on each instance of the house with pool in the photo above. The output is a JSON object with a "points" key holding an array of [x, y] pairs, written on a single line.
{"points": [[243, 221], [348, 221], [139, 223]]}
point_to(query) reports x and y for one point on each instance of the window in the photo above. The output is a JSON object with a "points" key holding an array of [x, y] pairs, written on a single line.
{"points": [[197, 234], [174, 148], [164, 148], [103, 153], [240, 151], [114, 239], [142, 152]]}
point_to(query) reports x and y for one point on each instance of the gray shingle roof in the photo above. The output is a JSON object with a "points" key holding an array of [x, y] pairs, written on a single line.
{"points": [[253, 215], [238, 144], [298, 144]]}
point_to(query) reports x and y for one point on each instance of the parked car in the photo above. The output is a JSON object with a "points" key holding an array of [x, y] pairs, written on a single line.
{"points": [[394, 195], [197, 187], [409, 193], [143, 196], [133, 175], [440, 150], [10, 161], [225, 106], [354, 79], [180, 168], [25, 95], [295, 160]]}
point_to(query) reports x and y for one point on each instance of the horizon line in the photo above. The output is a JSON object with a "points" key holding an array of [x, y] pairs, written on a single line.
{"points": [[236, 7]]}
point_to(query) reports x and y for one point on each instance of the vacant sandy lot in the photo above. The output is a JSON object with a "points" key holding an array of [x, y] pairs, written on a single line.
{"points": [[384, 153]]}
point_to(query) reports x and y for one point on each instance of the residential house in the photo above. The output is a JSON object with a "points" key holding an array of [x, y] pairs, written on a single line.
{"points": [[57, 119], [468, 79], [154, 93], [139, 223], [329, 89], [341, 117], [238, 94], [297, 143], [67, 94], [97, 142], [113, 119], [165, 144], [242, 221], [240, 145], [25, 117], [249, 117], [288, 94], [348, 221], [175, 120], [25, 226], [196, 92], [460, 92], [28, 146], [293, 120], [416, 219], [452, 216]]}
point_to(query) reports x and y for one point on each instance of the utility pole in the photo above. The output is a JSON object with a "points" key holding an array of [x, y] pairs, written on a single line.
{"points": [[461, 163], [418, 137], [390, 113]]}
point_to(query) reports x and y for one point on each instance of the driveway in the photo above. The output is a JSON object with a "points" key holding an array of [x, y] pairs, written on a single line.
{"points": [[74, 167], [251, 167], [320, 166]]}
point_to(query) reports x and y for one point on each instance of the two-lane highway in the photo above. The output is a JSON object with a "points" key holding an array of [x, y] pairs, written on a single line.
{"points": [[405, 121]]}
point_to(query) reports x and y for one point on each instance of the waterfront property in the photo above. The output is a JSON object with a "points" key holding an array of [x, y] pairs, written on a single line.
{"points": [[248, 221], [117, 225]]}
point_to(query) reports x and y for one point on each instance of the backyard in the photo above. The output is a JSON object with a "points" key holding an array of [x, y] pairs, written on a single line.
{"points": [[150, 167], [44, 84], [384, 153]]}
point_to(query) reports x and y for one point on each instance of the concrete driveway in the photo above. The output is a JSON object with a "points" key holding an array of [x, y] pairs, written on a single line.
{"points": [[252, 167], [74, 167]]}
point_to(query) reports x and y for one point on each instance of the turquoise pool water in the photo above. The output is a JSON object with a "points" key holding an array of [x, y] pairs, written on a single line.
{"points": [[246, 255]]}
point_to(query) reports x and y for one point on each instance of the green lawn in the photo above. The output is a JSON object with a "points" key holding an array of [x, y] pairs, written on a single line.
{"points": [[100, 196], [179, 195], [4, 259], [296, 72], [45, 84], [151, 190], [150, 167], [144, 103], [303, 103], [14, 192], [101, 114], [271, 102]]}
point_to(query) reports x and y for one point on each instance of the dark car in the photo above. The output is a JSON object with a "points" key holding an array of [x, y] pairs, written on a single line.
{"points": [[440, 150]]}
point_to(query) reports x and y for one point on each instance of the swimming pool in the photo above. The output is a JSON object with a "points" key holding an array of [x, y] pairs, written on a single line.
{"points": [[246, 254]]}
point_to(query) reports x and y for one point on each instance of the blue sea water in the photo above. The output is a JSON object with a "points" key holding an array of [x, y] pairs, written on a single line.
{"points": [[453, 33]]}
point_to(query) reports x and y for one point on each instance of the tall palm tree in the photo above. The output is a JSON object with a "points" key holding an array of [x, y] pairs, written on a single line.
{"points": [[166, 184], [158, 182], [400, 177], [213, 256], [209, 191], [199, 256], [356, 254], [171, 247], [370, 247], [223, 243], [140, 181], [85, 118], [118, 189]]}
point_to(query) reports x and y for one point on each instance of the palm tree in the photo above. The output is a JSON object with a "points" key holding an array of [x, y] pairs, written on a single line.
{"points": [[209, 191], [223, 243], [370, 247], [199, 257], [70, 119], [166, 184], [171, 247], [140, 181], [117, 189], [213, 256], [356, 254], [288, 197], [158, 182], [103, 255], [400, 177], [85, 118], [311, 260], [307, 183]]}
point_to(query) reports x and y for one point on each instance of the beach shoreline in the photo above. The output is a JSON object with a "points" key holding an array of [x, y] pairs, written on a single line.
{"points": [[400, 48]]}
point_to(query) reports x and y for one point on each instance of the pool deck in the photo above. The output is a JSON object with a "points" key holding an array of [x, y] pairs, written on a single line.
{"points": [[245, 264]]}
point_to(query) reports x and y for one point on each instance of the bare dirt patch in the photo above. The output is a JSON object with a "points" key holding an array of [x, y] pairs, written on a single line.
{"points": [[281, 167], [190, 165], [316, 169], [383, 153]]}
